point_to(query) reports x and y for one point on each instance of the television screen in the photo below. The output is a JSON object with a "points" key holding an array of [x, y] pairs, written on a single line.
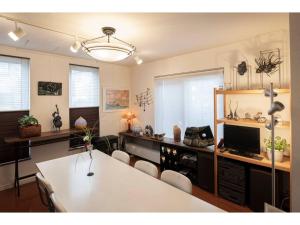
{"points": [[242, 139]]}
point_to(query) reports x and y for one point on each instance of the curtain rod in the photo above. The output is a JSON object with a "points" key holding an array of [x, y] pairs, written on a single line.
{"points": [[189, 72]]}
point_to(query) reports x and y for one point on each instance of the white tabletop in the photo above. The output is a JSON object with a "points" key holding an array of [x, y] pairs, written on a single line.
{"points": [[115, 187]]}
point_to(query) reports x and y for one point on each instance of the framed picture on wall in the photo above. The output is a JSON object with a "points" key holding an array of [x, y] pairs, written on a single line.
{"points": [[49, 88], [115, 99]]}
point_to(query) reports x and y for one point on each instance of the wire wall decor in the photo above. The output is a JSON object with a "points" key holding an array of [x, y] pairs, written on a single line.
{"points": [[144, 99]]}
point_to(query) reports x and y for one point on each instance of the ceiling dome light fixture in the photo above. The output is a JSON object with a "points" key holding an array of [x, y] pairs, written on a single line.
{"points": [[17, 34], [111, 50]]}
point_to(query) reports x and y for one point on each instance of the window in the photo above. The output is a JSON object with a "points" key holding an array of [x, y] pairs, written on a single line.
{"points": [[185, 101], [84, 86], [14, 83]]}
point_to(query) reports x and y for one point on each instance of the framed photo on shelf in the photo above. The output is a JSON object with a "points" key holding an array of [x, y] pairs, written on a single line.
{"points": [[115, 99]]}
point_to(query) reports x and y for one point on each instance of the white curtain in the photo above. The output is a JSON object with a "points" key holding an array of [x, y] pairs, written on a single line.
{"points": [[186, 101], [14, 83], [84, 86]]}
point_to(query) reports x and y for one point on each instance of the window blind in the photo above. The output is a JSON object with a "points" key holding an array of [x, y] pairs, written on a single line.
{"points": [[84, 86], [187, 101], [14, 83]]}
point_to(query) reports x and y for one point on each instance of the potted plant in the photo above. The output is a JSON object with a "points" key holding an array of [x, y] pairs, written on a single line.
{"points": [[87, 138], [280, 145], [29, 126]]}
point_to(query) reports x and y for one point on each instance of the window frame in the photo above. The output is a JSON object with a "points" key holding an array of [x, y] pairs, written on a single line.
{"points": [[99, 86]]}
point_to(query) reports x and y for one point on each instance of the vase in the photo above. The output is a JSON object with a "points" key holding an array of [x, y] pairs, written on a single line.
{"points": [[177, 133], [278, 155], [80, 123]]}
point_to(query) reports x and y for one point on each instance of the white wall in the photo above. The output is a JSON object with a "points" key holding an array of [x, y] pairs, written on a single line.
{"points": [[227, 57], [52, 67], [295, 81]]}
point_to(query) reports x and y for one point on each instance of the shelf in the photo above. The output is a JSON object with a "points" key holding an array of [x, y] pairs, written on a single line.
{"points": [[251, 123], [252, 91], [284, 166]]}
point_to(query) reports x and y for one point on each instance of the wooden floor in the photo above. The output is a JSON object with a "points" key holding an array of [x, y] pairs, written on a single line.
{"points": [[29, 200]]}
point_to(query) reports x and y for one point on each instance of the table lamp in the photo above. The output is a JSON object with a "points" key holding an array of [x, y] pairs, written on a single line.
{"points": [[129, 117]]}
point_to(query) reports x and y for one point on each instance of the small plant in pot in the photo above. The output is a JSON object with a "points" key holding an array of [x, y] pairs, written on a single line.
{"points": [[29, 126], [87, 138], [280, 145]]}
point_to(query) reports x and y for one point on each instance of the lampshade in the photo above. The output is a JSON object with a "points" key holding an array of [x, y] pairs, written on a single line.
{"points": [[276, 107], [129, 116], [111, 50], [108, 52]]}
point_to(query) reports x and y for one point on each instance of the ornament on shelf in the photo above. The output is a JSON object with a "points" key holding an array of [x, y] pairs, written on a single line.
{"points": [[144, 99], [231, 115], [80, 123], [57, 123]]}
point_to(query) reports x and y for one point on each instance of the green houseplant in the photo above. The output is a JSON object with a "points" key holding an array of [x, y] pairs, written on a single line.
{"points": [[280, 145], [29, 126]]}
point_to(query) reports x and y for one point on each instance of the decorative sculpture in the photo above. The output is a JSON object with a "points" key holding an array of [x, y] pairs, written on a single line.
{"points": [[269, 64], [148, 130], [233, 116], [144, 98], [57, 123], [242, 68]]}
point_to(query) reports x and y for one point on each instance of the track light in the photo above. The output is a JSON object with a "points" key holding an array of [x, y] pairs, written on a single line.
{"points": [[75, 46], [138, 60], [17, 34], [276, 107]]}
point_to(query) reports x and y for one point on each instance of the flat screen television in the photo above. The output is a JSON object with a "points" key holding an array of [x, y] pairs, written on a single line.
{"points": [[245, 140]]}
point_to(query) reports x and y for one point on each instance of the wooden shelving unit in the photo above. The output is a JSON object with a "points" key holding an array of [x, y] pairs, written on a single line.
{"points": [[251, 123], [252, 91], [284, 166]]}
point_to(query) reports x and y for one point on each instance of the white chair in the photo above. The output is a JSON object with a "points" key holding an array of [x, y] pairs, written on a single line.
{"points": [[177, 180], [270, 208], [45, 190], [147, 168], [121, 156], [57, 205]]}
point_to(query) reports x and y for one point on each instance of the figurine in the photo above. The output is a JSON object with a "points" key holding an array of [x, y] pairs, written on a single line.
{"points": [[230, 116], [235, 115], [148, 130], [57, 123]]}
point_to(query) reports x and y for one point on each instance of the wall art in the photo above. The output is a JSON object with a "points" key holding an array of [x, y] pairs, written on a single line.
{"points": [[49, 88], [115, 99]]}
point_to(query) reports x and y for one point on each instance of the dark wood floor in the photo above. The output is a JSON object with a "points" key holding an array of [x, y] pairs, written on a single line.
{"points": [[29, 200]]}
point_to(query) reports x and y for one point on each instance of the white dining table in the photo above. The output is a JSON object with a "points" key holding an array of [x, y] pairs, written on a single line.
{"points": [[114, 187]]}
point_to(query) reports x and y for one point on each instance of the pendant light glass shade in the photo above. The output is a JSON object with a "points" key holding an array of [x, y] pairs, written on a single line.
{"points": [[110, 50]]}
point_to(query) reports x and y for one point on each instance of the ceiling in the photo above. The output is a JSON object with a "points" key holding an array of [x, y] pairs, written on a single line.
{"points": [[156, 35]]}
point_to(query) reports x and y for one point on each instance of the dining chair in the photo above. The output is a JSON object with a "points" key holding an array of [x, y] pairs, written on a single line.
{"points": [[121, 156], [147, 168], [45, 190], [177, 180], [58, 207], [270, 208]]}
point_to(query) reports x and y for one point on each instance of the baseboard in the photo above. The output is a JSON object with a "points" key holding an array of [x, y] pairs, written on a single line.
{"points": [[11, 185]]}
